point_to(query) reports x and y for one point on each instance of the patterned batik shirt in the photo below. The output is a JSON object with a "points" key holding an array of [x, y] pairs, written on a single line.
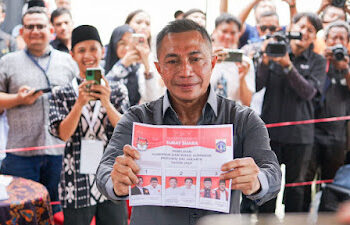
{"points": [[78, 190]]}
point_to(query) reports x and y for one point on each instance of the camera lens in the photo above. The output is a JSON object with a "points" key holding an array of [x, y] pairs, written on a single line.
{"points": [[339, 56]]}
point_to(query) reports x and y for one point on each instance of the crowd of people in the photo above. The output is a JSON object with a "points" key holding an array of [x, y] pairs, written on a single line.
{"points": [[242, 74]]}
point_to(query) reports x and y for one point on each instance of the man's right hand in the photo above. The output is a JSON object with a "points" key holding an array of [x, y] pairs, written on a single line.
{"points": [[84, 94], [27, 95], [131, 56], [124, 171], [221, 54]]}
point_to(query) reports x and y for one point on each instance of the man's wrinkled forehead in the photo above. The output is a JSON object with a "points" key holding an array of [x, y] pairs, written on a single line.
{"points": [[189, 41]]}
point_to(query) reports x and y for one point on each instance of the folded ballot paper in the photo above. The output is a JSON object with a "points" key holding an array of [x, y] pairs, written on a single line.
{"points": [[4, 182]]}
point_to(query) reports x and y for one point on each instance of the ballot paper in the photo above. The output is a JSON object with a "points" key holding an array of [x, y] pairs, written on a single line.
{"points": [[180, 166]]}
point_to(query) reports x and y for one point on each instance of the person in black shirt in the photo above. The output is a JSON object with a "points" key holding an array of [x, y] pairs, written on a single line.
{"points": [[292, 84], [61, 20], [330, 138]]}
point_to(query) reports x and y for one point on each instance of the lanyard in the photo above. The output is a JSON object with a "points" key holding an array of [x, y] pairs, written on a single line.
{"points": [[38, 65], [85, 111]]}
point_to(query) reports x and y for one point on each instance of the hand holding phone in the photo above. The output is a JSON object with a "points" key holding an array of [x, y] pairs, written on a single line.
{"points": [[234, 55], [94, 74], [44, 90], [138, 39]]}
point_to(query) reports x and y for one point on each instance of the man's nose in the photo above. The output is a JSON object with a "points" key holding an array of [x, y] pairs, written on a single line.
{"points": [[187, 69], [228, 36]]}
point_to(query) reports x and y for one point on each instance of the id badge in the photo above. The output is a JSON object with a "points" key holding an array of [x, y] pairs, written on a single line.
{"points": [[90, 156]]}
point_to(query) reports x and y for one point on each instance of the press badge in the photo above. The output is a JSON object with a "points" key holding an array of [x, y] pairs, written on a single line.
{"points": [[90, 156]]}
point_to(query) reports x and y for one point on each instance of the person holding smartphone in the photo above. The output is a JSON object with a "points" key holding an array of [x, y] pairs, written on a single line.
{"points": [[127, 60], [84, 114], [233, 79]]}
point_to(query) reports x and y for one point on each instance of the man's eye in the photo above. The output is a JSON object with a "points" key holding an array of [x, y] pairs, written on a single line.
{"points": [[196, 59], [171, 61]]}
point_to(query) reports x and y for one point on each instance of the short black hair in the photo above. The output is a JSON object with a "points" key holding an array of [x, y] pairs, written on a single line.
{"points": [[311, 17], [191, 11], [154, 179], [221, 181], [35, 10], [228, 18], [3, 6], [207, 179], [189, 178], [267, 14], [177, 13], [338, 23], [59, 12], [179, 26], [173, 178]]}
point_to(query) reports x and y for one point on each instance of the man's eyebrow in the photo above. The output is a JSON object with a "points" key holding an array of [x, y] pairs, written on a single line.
{"points": [[195, 52], [171, 55]]}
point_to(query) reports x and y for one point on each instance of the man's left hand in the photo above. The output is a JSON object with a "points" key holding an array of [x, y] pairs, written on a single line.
{"points": [[243, 68], [342, 64], [284, 61], [244, 175]]}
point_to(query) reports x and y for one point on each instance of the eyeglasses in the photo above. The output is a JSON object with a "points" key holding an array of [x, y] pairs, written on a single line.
{"points": [[271, 28], [32, 26]]}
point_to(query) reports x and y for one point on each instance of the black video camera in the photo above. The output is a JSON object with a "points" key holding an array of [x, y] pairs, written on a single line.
{"points": [[278, 47], [339, 52], [338, 3]]}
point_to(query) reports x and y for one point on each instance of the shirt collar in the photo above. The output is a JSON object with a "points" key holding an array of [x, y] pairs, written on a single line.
{"points": [[211, 101], [305, 54], [47, 52]]}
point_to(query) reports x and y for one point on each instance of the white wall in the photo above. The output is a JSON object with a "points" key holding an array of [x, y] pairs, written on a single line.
{"points": [[108, 14]]}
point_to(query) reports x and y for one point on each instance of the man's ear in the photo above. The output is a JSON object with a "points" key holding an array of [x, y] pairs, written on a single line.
{"points": [[214, 59], [52, 31], [21, 31], [158, 67]]}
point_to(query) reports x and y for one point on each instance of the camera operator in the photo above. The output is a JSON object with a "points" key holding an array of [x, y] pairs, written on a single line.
{"points": [[292, 82], [330, 138], [329, 11]]}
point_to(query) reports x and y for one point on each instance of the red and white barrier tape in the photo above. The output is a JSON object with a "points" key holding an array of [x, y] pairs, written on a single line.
{"points": [[308, 183], [282, 124], [332, 119], [32, 148]]}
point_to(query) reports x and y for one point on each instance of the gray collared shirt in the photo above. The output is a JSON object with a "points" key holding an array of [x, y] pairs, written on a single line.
{"points": [[29, 123], [250, 140]]}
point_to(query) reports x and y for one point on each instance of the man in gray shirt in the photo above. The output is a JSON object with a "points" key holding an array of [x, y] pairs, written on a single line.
{"points": [[185, 63], [22, 73]]}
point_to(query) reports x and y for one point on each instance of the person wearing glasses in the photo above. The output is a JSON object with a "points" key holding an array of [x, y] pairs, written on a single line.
{"points": [[22, 75], [294, 83], [268, 24]]}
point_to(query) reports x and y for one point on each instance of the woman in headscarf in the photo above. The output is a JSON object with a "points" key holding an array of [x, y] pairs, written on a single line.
{"points": [[127, 60]]}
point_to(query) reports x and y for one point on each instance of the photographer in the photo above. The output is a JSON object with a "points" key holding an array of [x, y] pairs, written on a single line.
{"points": [[330, 138], [292, 82], [233, 77], [329, 11]]}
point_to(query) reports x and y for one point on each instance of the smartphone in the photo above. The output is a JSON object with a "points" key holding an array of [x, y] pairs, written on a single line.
{"points": [[234, 55], [94, 74], [138, 39], [44, 90]]}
